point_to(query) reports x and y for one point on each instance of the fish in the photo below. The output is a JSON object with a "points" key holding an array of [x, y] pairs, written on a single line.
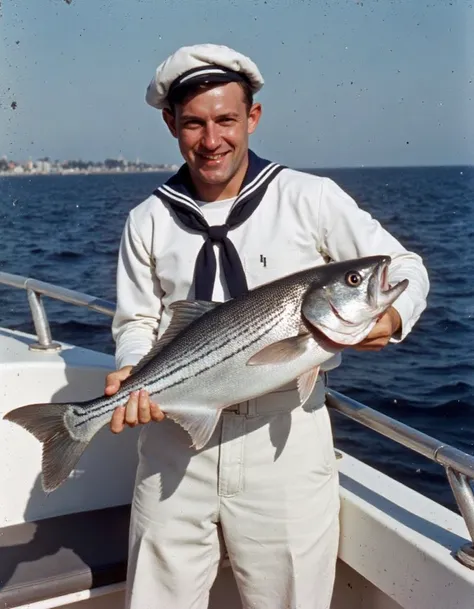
{"points": [[214, 355]]}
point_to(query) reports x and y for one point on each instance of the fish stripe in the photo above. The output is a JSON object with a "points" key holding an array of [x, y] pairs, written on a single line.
{"points": [[225, 358], [118, 398], [235, 332], [228, 338], [104, 407]]}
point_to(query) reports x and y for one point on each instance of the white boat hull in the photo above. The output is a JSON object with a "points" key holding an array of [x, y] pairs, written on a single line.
{"points": [[396, 546]]}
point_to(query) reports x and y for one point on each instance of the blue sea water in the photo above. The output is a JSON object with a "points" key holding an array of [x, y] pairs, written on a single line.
{"points": [[66, 230]]}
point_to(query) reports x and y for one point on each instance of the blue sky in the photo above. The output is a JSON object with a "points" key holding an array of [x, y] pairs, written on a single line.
{"points": [[347, 83]]}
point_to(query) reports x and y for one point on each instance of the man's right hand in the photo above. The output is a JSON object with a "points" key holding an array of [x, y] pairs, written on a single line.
{"points": [[138, 409]]}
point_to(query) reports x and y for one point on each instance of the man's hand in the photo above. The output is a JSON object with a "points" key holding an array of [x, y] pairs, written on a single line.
{"points": [[382, 332], [138, 409]]}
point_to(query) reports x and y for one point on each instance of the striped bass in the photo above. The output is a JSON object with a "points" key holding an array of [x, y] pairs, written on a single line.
{"points": [[214, 355]]}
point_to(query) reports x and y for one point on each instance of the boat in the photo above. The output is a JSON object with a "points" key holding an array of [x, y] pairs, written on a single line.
{"points": [[398, 548]]}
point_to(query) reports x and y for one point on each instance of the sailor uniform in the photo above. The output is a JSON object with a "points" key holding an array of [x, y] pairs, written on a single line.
{"points": [[301, 220], [177, 193], [267, 482]]}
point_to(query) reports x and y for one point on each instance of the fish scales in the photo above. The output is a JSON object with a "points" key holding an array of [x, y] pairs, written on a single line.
{"points": [[230, 333], [215, 355]]}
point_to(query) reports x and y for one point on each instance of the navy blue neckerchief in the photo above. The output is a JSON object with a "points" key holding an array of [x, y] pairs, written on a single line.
{"points": [[177, 193]]}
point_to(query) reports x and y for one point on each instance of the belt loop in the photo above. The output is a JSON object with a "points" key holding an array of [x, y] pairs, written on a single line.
{"points": [[252, 408]]}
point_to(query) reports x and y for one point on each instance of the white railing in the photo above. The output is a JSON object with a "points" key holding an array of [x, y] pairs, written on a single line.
{"points": [[459, 466], [36, 289]]}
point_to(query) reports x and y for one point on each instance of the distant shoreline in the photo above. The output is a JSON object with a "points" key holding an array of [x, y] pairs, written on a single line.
{"points": [[29, 174], [81, 172]]}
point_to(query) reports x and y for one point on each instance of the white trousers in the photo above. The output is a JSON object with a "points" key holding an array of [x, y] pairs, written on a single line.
{"points": [[266, 484]]}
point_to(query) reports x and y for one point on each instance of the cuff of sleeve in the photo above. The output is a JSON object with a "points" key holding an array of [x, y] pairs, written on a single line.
{"points": [[128, 359], [405, 308]]}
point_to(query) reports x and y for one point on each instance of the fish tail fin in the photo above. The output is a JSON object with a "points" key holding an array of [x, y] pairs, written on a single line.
{"points": [[61, 452]]}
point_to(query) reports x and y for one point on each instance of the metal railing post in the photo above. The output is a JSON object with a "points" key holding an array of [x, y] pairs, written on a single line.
{"points": [[41, 324], [36, 289], [464, 496], [459, 466]]}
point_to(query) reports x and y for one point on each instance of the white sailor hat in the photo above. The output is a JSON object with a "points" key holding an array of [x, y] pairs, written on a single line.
{"points": [[201, 63]]}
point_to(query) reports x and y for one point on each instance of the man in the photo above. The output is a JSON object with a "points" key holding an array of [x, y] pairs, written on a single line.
{"points": [[228, 221]]}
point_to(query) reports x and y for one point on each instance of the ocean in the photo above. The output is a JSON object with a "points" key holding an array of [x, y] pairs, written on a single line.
{"points": [[66, 230]]}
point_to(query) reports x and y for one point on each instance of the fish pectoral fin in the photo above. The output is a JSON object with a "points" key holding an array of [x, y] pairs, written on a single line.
{"points": [[184, 313], [306, 383], [199, 421], [281, 352]]}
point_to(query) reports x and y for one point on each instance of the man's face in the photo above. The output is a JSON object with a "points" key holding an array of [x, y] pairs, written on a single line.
{"points": [[212, 128]]}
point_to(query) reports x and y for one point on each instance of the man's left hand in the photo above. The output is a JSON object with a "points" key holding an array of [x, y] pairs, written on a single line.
{"points": [[382, 332]]}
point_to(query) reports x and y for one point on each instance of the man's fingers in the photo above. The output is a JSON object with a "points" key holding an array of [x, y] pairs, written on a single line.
{"points": [[117, 421], [131, 411], [378, 337], [144, 415], [379, 340], [138, 409], [124, 372], [112, 386], [377, 333], [372, 345], [369, 348], [156, 413], [114, 379], [381, 329], [112, 383]]}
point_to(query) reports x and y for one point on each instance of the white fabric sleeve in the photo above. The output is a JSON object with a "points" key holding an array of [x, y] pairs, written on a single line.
{"points": [[346, 231], [138, 310]]}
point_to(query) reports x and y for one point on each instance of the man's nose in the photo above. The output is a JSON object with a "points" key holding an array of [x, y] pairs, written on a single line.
{"points": [[211, 137]]}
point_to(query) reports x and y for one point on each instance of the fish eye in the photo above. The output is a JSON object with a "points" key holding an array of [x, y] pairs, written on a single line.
{"points": [[353, 279]]}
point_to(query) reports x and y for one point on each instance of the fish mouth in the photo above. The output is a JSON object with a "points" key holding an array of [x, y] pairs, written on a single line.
{"points": [[380, 293]]}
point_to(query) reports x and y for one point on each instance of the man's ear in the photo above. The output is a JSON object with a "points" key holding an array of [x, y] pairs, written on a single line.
{"points": [[255, 114], [170, 121]]}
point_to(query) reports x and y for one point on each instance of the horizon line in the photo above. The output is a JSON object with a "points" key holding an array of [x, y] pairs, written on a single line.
{"points": [[402, 166]]}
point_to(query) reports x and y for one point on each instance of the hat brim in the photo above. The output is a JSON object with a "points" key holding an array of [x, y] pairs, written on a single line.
{"points": [[208, 76]]}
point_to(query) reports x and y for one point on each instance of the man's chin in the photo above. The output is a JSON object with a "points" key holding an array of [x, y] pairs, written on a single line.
{"points": [[213, 177]]}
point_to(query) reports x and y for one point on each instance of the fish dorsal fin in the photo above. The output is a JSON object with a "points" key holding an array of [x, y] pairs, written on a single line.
{"points": [[188, 310], [281, 352], [306, 383], [184, 312], [199, 421]]}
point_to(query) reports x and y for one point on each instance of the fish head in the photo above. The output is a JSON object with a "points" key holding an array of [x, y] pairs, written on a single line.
{"points": [[349, 297]]}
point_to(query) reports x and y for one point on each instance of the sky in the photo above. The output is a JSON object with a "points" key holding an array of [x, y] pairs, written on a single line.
{"points": [[347, 83]]}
